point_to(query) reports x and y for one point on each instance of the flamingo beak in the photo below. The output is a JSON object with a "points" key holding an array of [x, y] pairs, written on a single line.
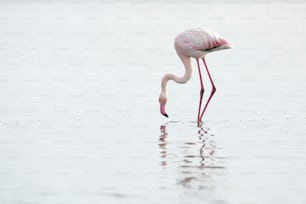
{"points": [[163, 111], [166, 115]]}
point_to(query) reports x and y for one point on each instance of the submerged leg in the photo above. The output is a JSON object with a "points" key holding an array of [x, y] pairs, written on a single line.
{"points": [[213, 90], [201, 92]]}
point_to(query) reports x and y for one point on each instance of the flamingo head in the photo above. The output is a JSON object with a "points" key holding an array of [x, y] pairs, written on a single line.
{"points": [[162, 102]]}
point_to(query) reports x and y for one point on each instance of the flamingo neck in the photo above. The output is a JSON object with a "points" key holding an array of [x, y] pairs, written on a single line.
{"points": [[180, 80]]}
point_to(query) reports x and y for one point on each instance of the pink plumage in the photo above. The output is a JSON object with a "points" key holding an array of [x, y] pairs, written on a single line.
{"points": [[198, 42], [194, 43]]}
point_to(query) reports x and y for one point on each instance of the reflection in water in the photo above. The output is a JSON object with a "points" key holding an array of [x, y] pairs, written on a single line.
{"points": [[162, 144], [193, 159]]}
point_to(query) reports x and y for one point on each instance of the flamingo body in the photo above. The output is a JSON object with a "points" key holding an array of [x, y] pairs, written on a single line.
{"points": [[196, 43], [193, 43]]}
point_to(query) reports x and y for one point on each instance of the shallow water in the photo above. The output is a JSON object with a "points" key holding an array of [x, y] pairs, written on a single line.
{"points": [[79, 118]]}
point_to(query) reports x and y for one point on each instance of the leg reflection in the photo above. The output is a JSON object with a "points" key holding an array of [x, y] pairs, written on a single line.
{"points": [[190, 157], [207, 149]]}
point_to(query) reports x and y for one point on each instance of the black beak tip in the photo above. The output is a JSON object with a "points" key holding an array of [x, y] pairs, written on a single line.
{"points": [[166, 115]]}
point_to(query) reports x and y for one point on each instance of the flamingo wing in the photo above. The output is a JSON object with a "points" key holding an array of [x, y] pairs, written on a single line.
{"points": [[204, 40]]}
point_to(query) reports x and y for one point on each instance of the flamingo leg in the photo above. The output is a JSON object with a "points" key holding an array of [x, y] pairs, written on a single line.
{"points": [[213, 90], [201, 92]]}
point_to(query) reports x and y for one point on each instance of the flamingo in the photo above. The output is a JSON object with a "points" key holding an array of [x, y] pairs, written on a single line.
{"points": [[193, 43]]}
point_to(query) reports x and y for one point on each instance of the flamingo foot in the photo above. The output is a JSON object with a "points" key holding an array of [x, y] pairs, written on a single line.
{"points": [[200, 123]]}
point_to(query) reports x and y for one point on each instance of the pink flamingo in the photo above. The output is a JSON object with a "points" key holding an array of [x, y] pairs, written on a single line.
{"points": [[195, 43]]}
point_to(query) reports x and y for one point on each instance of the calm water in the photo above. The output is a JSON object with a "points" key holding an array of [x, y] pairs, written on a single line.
{"points": [[79, 120]]}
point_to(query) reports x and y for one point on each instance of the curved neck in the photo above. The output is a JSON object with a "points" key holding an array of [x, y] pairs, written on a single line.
{"points": [[180, 80]]}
